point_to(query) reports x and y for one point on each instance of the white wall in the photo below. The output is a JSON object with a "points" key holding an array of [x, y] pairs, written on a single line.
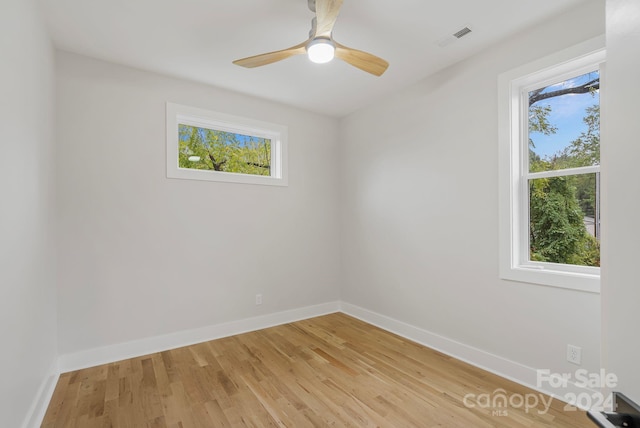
{"points": [[142, 255], [27, 272], [621, 189], [420, 204]]}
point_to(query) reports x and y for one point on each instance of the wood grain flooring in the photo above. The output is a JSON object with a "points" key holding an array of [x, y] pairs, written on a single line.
{"points": [[328, 371]]}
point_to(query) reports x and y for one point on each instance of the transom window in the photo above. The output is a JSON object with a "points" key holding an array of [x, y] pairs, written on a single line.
{"points": [[207, 145], [216, 150], [550, 171]]}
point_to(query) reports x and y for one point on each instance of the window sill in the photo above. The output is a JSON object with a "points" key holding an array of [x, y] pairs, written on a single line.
{"points": [[540, 275], [225, 177]]}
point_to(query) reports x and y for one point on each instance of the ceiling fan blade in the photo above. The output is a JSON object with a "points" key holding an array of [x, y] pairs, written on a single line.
{"points": [[271, 57], [362, 60], [326, 15]]}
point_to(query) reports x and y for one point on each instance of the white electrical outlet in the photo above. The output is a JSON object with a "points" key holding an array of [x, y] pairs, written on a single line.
{"points": [[574, 354], [258, 299]]}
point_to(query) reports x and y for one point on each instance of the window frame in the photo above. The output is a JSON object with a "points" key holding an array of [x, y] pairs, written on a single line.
{"points": [[514, 174], [181, 114]]}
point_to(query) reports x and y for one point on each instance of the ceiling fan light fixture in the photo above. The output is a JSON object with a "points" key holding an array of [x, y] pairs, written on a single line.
{"points": [[320, 46], [321, 50]]}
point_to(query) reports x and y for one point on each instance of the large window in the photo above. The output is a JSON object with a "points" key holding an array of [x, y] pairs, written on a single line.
{"points": [[207, 145], [550, 170]]}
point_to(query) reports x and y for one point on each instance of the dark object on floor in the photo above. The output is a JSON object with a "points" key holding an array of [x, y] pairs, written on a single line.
{"points": [[626, 414]]}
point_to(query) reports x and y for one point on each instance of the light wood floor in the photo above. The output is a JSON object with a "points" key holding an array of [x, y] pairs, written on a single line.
{"points": [[327, 371]]}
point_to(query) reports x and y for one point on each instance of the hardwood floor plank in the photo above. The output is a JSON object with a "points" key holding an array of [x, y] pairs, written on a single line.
{"points": [[326, 371]]}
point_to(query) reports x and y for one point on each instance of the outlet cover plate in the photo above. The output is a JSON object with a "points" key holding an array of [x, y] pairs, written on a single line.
{"points": [[574, 354]]}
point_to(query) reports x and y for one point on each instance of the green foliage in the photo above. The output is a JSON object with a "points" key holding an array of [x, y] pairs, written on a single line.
{"points": [[539, 121], [223, 151], [557, 230], [558, 205], [585, 150]]}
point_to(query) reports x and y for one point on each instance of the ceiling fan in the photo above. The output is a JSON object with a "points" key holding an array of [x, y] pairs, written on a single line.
{"points": [[320, 46]]}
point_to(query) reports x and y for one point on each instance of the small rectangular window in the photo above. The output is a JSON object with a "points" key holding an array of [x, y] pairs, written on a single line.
{"points": [[207, 145], [550, 170]]}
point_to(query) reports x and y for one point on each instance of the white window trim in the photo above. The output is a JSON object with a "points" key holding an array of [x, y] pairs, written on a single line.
{"points": [[512, 228], [177, 113]]}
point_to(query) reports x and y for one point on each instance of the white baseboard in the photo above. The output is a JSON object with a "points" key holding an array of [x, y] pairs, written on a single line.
{"points": [[43, 397], [136, 348], [516, 372]]}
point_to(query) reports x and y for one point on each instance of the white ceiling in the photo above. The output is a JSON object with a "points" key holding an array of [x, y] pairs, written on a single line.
{"points": [[198, 39]]}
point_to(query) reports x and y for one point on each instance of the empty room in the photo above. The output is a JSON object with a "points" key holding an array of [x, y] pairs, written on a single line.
{"points": [[309, 213]]}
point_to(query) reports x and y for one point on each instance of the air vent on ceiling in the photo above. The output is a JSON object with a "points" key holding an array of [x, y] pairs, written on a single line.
{"points": [[462, 33], [452, 37]]}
